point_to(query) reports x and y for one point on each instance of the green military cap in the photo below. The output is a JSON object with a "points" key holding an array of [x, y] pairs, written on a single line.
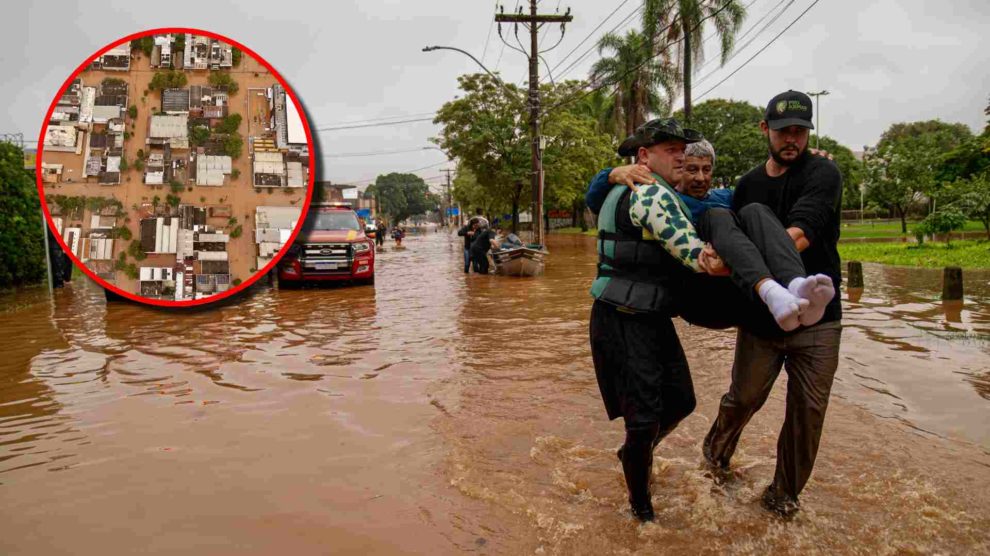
{"points": [[657, 131]]}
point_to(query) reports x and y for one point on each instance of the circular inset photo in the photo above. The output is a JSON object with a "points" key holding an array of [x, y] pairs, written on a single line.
{"points": [[175, 167]]}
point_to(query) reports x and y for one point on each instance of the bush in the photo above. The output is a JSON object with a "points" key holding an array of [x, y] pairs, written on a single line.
{"points": [[940, 222], [176, 186], [123, 160], [144, 44], [132, 271], [123, 233], [132, 111], [172, 200], [235, 173], [236, 233], [232, 221], [236, 281], [236, 55]]}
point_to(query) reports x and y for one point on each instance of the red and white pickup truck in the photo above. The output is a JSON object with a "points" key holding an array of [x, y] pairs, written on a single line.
{"points": [[331, 246]]}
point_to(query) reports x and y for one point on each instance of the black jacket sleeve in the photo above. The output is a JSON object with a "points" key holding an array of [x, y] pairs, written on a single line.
{"points": [[819, 199], [464, 230]]}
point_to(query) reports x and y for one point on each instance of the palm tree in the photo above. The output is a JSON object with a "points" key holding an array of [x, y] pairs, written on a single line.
{"points": [[683, 21], [634, 76]]}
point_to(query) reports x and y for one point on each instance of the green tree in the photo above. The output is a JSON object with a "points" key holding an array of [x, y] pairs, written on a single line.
{"points": [[236, 55], [236, 232], [156, 201], [224, 80], [199, 135], [132, 111], [22, 253], [850, 167], [135, 250], [401, 195], [668, 21], [229, 124], [172, 201], [634, 76], [902, 170], [123, 163], [972, 196], [733, 128], [144, 44], [232, 145], [168, 79], [234, 174]]}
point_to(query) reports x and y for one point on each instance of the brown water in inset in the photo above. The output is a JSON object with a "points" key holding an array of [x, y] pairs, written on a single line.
{"points": [[444, 413]]}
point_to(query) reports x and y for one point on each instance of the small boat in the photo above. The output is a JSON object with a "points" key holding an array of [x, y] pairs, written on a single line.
{"points": [[520, 261]]}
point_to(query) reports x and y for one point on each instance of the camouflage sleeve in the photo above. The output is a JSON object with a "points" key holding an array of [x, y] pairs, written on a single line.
{"points": [[656, 209]]}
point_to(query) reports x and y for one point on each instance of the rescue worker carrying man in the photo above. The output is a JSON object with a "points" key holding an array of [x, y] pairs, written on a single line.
{"points": [[641, 369]]}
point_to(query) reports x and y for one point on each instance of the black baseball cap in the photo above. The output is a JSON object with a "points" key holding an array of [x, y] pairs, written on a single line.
{"points": [[657, 131], [787, 109]]}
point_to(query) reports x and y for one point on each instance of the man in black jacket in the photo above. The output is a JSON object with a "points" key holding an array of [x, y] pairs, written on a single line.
{"points": [[467, 231], [805, 193]]}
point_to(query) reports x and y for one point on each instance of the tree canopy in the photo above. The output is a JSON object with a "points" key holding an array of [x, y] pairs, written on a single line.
{"points": [[487, 130], [402, 195], [22, 253], [903, 169]]}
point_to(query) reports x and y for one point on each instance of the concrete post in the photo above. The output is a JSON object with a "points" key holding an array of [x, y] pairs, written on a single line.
{"points": [[952, 284]]}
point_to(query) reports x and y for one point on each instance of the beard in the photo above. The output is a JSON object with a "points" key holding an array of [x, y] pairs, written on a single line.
{"points": [[776, 154]]}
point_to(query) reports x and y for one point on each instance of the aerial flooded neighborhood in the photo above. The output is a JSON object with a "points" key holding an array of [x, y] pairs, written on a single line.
{"points": [[175, 166]]}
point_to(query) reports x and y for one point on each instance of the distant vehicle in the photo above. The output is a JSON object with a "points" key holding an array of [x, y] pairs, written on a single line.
{"points": [[331, 246]]}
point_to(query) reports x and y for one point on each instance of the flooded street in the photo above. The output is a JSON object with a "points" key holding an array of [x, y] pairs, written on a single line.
{"points": [[444, 413]]}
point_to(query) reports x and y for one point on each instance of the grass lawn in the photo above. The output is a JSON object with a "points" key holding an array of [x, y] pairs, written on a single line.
{"points": [[965, 254], [890, 228]]}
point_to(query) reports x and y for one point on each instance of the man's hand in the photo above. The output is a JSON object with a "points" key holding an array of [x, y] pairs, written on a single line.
{"points": [[822, 153], [800, 242], [630, 174], [711, 263]]}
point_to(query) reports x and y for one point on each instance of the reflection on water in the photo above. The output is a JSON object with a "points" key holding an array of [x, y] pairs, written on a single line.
{"points": [[439, 412]]}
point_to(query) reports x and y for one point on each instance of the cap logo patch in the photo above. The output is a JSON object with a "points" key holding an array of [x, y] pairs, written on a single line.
{"points": [[781, 106]]}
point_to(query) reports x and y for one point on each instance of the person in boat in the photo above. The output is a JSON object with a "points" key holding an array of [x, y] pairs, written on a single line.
{"points": [[508, 240]]}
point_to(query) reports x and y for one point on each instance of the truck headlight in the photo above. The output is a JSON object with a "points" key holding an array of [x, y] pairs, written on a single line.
{"points": [[362, 247]]}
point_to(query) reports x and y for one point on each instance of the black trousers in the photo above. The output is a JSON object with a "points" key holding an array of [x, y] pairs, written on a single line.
{"points": [[480, 262], [810, 358], [753, 243], [642, 373]]}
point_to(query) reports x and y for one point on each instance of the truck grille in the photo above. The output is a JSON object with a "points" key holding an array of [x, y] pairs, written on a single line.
{"points": [[326, 258]]}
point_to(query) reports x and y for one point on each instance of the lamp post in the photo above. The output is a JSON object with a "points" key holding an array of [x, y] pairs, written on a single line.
{"points": [[818, 113]]}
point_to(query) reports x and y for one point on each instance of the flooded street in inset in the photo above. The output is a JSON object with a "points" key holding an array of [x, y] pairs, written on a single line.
{"points": [[444, 413]]}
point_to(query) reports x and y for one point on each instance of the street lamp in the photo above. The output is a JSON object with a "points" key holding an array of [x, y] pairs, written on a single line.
{"points": [[477, 61], [818, 113]]}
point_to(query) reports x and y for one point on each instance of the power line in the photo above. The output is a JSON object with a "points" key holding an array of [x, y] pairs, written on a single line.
{"points": [[588, 36], [798, 18], [383, 124], [384, 118], [489, 38], [376, 153], [750, 41], [661, 51], [592, 48]]}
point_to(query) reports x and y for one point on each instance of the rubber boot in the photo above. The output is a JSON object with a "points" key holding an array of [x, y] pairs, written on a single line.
{"points": [[637, 466]]}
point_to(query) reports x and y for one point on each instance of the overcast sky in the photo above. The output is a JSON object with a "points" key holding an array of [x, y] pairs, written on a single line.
{"points": [[883, 61]]}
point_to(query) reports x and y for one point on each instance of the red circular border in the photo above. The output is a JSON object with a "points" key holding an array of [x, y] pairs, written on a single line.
{"points": [[258, 273]]}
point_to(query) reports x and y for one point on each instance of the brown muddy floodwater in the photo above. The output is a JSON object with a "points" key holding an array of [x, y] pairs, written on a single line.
{"points": [[443, 413]]}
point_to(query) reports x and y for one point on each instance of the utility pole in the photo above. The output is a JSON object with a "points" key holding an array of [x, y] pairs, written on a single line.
{"points": [[450, 201], [818, 114], [534, 21]]}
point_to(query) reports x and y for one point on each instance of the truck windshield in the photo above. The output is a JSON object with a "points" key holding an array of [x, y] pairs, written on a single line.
{"points": [[335, 220]]}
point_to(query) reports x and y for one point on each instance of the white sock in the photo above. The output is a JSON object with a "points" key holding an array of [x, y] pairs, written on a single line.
{"points": [[818, 290], [785, 307]]}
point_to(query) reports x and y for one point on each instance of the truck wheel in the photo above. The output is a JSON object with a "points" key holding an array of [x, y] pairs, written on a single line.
{"points": [[369, 281]]}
